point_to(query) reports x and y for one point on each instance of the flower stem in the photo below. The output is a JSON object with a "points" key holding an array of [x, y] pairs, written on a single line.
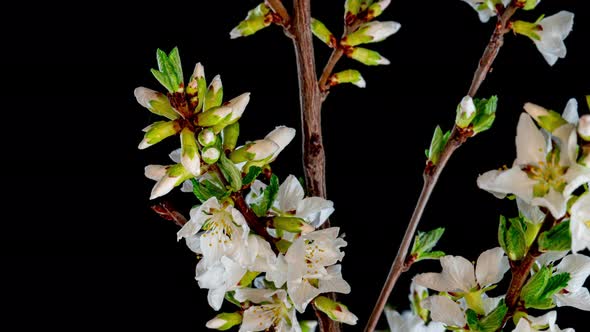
{"points": [[432, 172]]}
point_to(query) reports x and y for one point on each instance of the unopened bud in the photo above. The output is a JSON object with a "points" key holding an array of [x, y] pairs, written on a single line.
{"points": [[372, 32], [190, 152], [224, 321], [175, 176], [348, 76], [214, 95], [336, 311], [352, 8], [282, 136], [256, 151], [207, 137], [308, 325], [292, 224], [322, 33], [257, 19], [530, 4], [226, 114], [584, 127], [210, 155], [230, 136], [155, 172], [159, 131], [196, 88], [465, 112], [377, 9], [546, 119], [155, 102], [367, 57]]}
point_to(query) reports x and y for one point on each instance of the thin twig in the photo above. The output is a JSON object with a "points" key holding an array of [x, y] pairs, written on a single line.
{"points": [[257, 225], [278, 7], [165, 210], [432, 173]]}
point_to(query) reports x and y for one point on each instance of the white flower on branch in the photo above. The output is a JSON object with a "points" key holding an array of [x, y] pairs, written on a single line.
{"points": [[273, 309], [410, 322], [220, 278], [543, 174], [580, 223], [574, 294], [309, 267], [544, 323], [486, 8], [552, 33]]}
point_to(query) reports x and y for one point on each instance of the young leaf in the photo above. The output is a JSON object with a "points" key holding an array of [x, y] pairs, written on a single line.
{"points": [[425, 242], [268, 197], [558, 238], [253, 173], [230, 172], [493, 321], [533, 290], [486, 114]]}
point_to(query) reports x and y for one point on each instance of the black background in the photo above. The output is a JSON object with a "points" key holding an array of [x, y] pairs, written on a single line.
{"points": [[80, 247]]}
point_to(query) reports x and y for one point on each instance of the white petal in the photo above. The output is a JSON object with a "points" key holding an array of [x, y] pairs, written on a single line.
{"points": [[301, 293], [445, 310], [568, 143], [579, 299], [256, 319], [279, 274], [570, 114], [255, 194], [175, 155], [530, 143], [334, 281], [547, 319], [155, 172], [255, 295], [490, 303], [579, 223], [194, 243], [512, 181], [290, 194], [578, 266], [523, 326], [282, 136], [576, 176], [315, 210], [457, 276], [187, 187], [551, 256], [555, 29], [491, 267], [531, 212], [554, 201]]}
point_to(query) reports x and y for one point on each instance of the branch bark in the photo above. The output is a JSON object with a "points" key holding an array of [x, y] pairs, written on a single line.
{"points": [[432, 172]]}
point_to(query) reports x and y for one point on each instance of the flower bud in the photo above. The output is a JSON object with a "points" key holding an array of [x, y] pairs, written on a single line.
{"points": [[230, 136], [282, 136], [155, 102], [159, 131], [372, 32], [190, 152], [351, 8], [530, 4], [196, 88], [584, 127], [214, 95], [257, 19], [322, 33], [546, 119], [255, 151], [308, 325], [465, 112], [210, 155], [175, 176], [348, 76], [207, 137], [292, 224], [367, 57], [377, 9], [225, 321], [226, 114], [155, 172], [336, 311]]}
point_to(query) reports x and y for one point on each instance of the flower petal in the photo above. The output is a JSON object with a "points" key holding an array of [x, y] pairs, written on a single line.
{"points": [[512, 181], [570, 114], [579, 299], [580, 216], [457, 276], [314, 210], [256, 318], [445, 310], [530, 142], [578, 266], [554, 201], [491, 267], [290, 194]]}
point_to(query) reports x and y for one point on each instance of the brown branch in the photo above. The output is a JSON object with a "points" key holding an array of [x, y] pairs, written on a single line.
{"points": [[257, 225], [279, 9], [432, 172], [165, 210]]}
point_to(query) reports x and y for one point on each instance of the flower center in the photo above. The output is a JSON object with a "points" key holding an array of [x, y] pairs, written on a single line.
{"points": [[548, 174], [220, 225]]}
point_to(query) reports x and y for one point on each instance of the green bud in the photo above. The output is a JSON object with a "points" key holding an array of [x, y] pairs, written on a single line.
{"points": [[225, 321], [439, 140], [155, 102], [336, 311], [530, 4], [169, 72], [367, 57], [196, 88], [255, 151], [372, 32], [466, 112], [207, 137], [257, 19], [214, 95], [527, 29], [365, 4], [230, 136], [292, 224], [174, 176], [352, 8], [348, 76], [486, 114], [377, 9], [322, 33], [546, 119], [159, 131], [308, 325], [190, 152], [512, 238], [210, 154], [226, 114]]}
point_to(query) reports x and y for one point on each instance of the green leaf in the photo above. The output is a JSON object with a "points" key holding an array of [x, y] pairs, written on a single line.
{"points": [[207, 189], [268, 197], [532, 291], [431, 255], [493, 321], [558, 238], [253, 173], [472, 320], [513, 238], [555, 284], [436, 145], [486, 114], [230, 172], [425, 242], [169, 72], [229, 296]]}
